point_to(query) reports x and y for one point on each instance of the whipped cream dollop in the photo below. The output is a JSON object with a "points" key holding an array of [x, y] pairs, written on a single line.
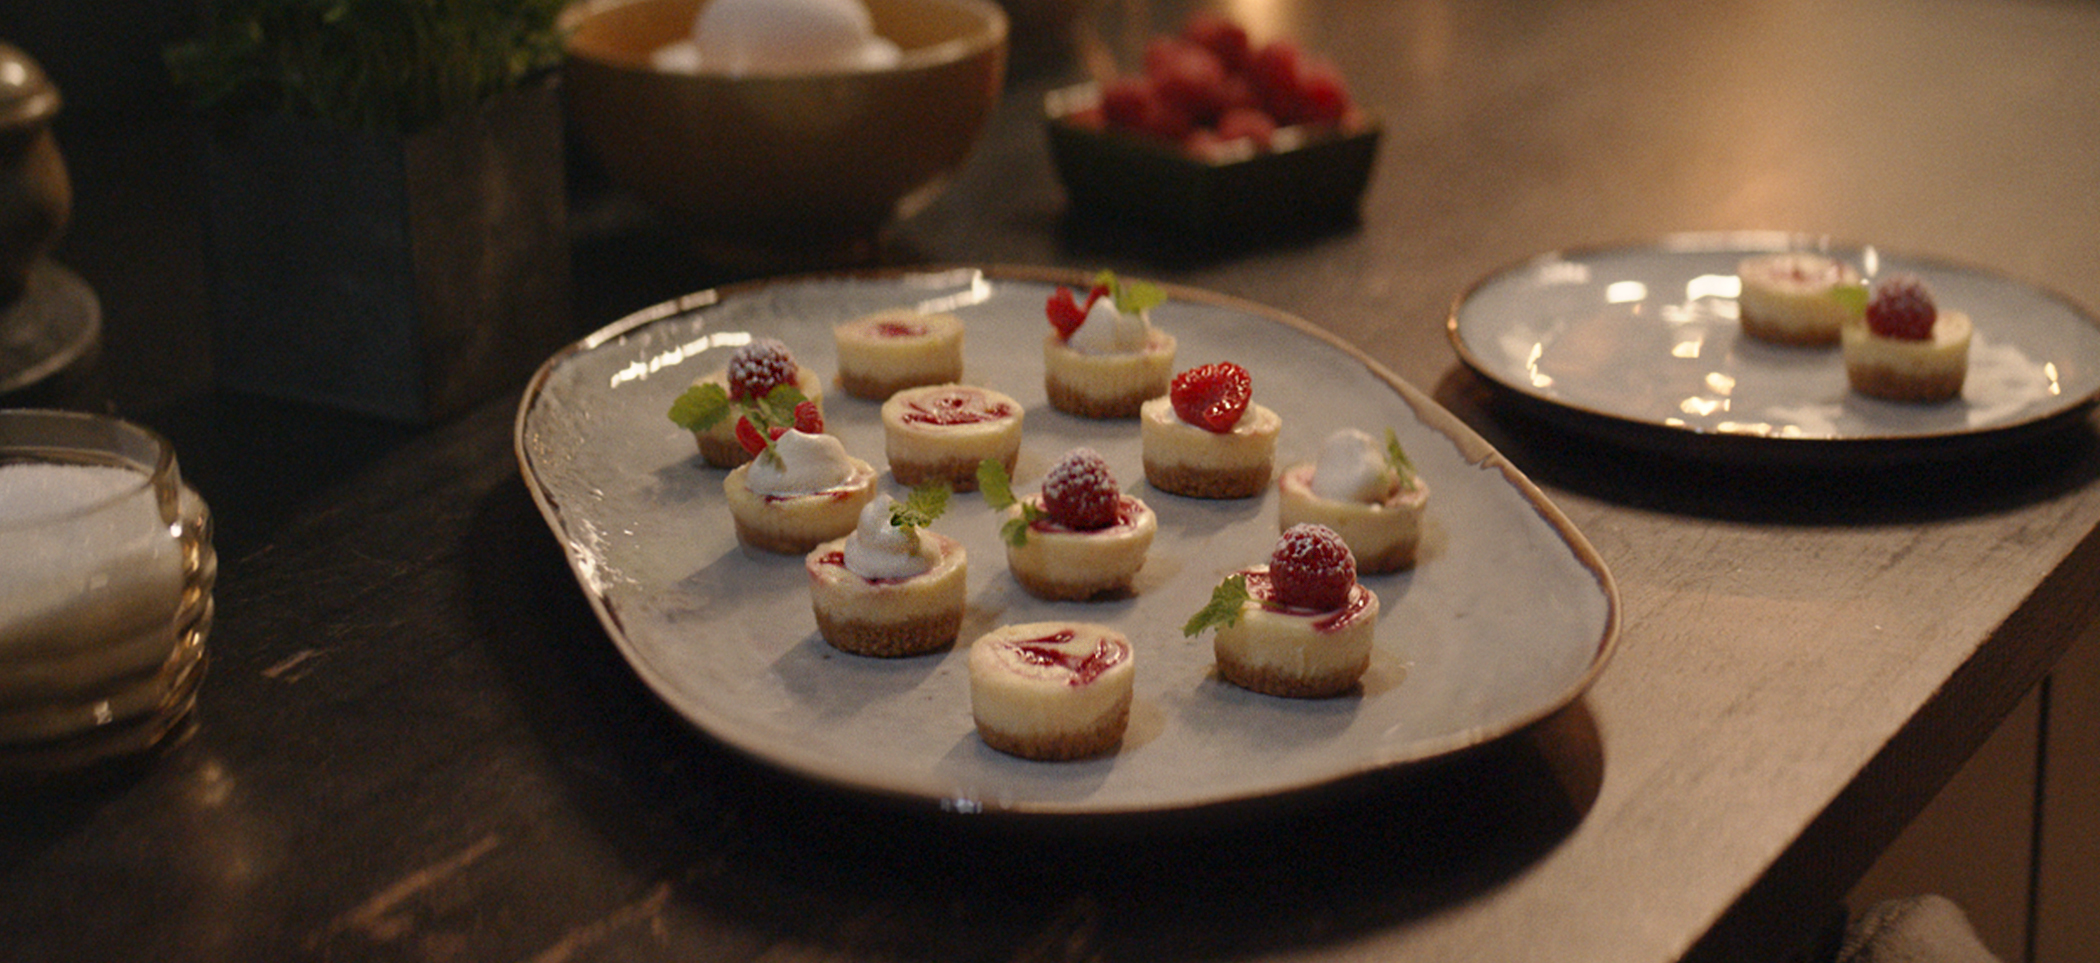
{"points": [[1109, 331], [807, 463], [880, 550], [1352, 468], [737, 37]]}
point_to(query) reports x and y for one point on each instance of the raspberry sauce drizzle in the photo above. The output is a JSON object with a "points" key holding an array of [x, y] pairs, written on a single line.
{"points": [[837, 559], [899, 329], [1260, 589], [955, 408], [1126, 516], [1048, 651]]}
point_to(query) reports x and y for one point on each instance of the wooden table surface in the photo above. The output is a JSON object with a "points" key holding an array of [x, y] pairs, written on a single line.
{"points": [[417, 744]]}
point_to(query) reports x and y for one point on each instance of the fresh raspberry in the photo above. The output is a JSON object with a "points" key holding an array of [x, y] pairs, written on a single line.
{"points": [[1324, 95], [1223, 37], [808, 419], [1273, 69], [747, 435], [1212, 396], [1079, 493], [1136, 105], [1251, 123], [1312, 568], [1901, 308], [1067, 313], [1126, 102], [759, 367], [1187, 76]]}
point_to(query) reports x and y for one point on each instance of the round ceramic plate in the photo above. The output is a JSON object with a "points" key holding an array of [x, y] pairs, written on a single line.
{"points": [[1508, 617], [1647, 335]]}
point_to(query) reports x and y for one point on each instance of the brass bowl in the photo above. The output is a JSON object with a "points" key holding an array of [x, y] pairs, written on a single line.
{"points": [[815, 163]]}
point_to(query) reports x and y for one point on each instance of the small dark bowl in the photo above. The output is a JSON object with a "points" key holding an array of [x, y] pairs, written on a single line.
{"points": [[1311, 179]]}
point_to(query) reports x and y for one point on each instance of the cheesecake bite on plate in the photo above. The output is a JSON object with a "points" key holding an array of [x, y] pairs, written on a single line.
{"points": [[892, 587], [1797, 297], [1300, 626], [1368, 494], [1079, 537], [1052, 690], [800, 486], [760, 373], [883, 353], [1207, 438], [1903, 348], [1103, 358], [942, 432]]}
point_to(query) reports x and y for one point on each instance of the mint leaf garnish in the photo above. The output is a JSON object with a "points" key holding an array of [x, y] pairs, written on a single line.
{"points": [[998, 489], [999, 493], [1852, 297], [1131, 297], [777, 408], [925, 504], [1224, 607], [701, 407], [706, 404], [1397, 458]]}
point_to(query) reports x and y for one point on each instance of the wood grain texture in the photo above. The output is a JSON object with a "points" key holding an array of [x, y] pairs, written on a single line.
{"points": [[2067, 921], [416, 744]]}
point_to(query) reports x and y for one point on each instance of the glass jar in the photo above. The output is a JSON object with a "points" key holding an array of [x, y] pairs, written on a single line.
{"points": [[106, 572]]}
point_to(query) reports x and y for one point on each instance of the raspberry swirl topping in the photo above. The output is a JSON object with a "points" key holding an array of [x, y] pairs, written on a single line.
{"points": [[898, 329], [1262, 588], [955, 406], [1057, 651]]}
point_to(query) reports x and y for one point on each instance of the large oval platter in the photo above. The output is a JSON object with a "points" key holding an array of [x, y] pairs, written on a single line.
{"points": [[1508, 617]]}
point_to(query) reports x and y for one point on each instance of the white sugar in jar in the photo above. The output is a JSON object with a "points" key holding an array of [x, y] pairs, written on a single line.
{"points": [[106, 570]]}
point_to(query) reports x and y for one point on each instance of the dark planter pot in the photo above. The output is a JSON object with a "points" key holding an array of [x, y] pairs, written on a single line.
{"points": [[407, 277]]}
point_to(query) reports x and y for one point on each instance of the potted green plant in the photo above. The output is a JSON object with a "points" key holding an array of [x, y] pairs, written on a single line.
{"points": [[384, 197]]}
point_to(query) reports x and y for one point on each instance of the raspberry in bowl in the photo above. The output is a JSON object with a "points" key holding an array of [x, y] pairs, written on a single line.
{"points": [[1217, 137]]}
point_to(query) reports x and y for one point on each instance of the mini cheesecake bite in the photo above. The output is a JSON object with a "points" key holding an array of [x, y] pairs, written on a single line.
{"points": [[1369, 495], [1207, 438], [758, 373], [800, 487], [1103, 358], [1079, 537], [1797, 297], [1903, 348], [942, 432], [891, 588], [886, 352], [1052, 691], [1300, 626]]}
